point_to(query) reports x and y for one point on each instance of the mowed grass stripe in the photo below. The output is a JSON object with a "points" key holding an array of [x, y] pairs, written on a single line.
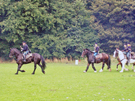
{"points": [[65, 82]]}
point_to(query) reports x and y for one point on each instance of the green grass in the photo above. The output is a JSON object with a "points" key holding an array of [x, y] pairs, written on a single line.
{"points": [[66, 82]]}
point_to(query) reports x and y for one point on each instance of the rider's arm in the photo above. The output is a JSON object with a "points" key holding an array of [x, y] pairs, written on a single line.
{"points": [[24, 48], [97, 49]]}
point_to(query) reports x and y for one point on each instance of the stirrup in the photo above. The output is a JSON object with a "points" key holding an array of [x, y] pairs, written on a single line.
{"points": [[24, 60]]}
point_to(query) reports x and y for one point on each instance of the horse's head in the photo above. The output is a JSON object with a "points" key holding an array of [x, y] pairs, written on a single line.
{"points": [[116, 53], [85, 52], [13, 51]]}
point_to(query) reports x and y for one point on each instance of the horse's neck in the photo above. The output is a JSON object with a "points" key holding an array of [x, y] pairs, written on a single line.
{"points": [[17, 53], [88, 54], [121, 55]]}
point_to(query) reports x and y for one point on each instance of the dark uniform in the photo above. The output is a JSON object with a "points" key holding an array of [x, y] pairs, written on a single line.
{"points": [[25, 50], [125, 49], [128, 51]]}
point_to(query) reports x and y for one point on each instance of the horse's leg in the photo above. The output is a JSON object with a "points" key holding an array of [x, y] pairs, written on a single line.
{"points": [[94, 67], [101, 70], [34, 68], [117, 66], [87, 68], [126, 68], [133, 67], [18, 69], [123, 66], [41, 68]]}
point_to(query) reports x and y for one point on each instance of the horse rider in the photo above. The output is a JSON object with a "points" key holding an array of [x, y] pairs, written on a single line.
{"points": [[25, 50], [125, 49], [96, 49], [128, 52]]}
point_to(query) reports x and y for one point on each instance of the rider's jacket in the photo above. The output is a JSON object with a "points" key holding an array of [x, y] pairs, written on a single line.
{"points": [[25, 48], [96, 49], [125, 48], [128, 47]]}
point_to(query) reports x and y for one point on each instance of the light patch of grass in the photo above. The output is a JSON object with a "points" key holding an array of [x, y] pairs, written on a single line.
{"points": [[65, 82]]}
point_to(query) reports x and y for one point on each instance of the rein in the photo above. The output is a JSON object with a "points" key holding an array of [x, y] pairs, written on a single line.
{"points": [[122, 60]]}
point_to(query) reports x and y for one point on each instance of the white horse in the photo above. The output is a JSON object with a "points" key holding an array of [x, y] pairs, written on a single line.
{"points": [[123, 59]]}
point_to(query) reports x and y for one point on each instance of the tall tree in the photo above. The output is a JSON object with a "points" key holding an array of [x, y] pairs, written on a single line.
{"points": [[114, 21]]}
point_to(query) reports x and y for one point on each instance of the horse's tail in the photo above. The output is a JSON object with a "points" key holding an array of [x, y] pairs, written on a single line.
{"points": [[109, 62], [43, 62]]}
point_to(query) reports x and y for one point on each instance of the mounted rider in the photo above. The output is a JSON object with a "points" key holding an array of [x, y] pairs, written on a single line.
{"points": [[25, 50], [127, 51], [96, 49]]}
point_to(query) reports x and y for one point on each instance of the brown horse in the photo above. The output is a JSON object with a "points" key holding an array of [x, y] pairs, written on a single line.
{"points": [[102, 57], [36, 58]]}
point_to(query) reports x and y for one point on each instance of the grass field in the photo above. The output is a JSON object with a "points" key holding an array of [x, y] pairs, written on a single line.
{"points": [[66, 82]]}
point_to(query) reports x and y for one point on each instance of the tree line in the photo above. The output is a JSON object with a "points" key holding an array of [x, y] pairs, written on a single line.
{"points": [[63, 28]]}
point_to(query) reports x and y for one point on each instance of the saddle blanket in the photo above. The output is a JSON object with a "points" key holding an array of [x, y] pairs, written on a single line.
{"points": [[28, 55]]}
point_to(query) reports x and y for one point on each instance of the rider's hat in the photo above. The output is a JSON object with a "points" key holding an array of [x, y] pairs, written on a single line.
{"points": [[128, 44], [23, 42]]}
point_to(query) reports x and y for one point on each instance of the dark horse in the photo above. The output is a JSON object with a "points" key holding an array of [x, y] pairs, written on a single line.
{"points": [[102, 57], [36, 58]]}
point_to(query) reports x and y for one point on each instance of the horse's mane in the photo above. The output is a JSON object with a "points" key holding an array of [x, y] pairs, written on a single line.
{"points": [[89, 50], [16, 50]]}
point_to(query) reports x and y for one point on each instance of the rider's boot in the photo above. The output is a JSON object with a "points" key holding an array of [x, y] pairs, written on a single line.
{"points": [[128, 61], [24, 59]]}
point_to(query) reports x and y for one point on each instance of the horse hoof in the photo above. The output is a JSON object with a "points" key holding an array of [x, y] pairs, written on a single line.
{"points": [[43, 72], [23, 71], [84, 71], [16, 73], [95, 71], [110, 69], [101, 70], [33, 73], [121, 71]]}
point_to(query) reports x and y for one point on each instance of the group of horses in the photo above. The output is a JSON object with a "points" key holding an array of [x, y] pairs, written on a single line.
{"points": [[105, 59], [101, 57]]}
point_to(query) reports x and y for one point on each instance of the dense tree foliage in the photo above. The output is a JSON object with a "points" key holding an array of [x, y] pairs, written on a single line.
{"points": [[62, 28], [114, 21]]}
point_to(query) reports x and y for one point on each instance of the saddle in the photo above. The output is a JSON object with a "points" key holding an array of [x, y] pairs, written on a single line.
{"points": [[28, 55], [98, 55]]}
